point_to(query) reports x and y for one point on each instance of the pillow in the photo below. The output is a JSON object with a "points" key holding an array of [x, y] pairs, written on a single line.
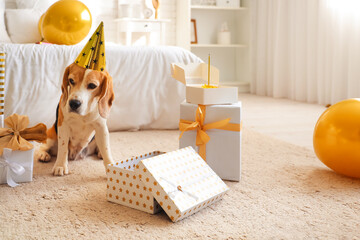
{"points": [[22, 25], [25, 3], [37, 4], [4, 37]]}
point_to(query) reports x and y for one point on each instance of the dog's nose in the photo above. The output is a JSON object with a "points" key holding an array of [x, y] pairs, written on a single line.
{"points": [[74, 104]]}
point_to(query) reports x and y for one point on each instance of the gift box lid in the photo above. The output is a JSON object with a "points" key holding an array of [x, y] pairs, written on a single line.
{"points": [[194, 73], [181, 182], [195, 77]]}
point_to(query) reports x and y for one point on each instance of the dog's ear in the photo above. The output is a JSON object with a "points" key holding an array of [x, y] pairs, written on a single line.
{"points": [[64, 96], [64, 86], [106, 96]]}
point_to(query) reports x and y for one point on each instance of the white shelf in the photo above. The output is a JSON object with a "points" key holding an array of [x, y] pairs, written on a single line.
{"points": [[232, 60], [217, 46], [217, 8]]}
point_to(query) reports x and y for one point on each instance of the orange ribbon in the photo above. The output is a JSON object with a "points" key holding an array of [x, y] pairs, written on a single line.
{"points": [[202, 138], [16, 137]]}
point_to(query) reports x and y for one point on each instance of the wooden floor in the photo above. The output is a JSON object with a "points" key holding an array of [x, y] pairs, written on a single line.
{"points": [[283, 119]]}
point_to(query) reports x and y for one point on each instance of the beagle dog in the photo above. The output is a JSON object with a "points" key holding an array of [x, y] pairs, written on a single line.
{"points": [[80, 128]]}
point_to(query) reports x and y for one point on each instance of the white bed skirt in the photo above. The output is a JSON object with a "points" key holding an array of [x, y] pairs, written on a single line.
{"points": [[146, 96]]}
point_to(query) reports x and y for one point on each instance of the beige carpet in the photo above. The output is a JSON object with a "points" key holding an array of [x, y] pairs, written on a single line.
{"points": [[285, 193]]}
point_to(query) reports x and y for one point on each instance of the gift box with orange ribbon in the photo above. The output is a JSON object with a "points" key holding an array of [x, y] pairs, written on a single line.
{"points": [[215, 132], [178, 182], [16, 152]]}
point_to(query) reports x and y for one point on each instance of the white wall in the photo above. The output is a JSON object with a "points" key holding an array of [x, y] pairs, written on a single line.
{"points": [[107, 10]]}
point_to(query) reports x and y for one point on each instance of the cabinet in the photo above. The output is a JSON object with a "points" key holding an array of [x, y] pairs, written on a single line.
{"points": [[233, 60], [128, 26]]}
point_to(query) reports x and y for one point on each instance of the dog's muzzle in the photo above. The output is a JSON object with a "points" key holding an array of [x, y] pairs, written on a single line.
{"points": [[74, 104]]}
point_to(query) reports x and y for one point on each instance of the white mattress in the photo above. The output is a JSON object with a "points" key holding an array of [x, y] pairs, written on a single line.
{"points": [[146, 96]]}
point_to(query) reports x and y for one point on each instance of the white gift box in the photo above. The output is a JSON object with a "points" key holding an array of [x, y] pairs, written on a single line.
{"points": [[17, 158], [223, 150], [125, 187], [180, 181], [194, 76]]}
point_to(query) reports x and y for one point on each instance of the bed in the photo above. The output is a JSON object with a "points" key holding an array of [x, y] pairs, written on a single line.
{"points": [[146, 96]]}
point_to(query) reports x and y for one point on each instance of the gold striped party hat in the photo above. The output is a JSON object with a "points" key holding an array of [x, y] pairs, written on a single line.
{"points": [[93, 54]]}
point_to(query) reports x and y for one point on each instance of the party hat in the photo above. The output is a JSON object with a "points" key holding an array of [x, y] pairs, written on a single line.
{"points": [[93, 54]]}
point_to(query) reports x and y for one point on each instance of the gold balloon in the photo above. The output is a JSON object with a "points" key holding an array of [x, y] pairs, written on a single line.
{"points": [[66, 22], [337, 137]]}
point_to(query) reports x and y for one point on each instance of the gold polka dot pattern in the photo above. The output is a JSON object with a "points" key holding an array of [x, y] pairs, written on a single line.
{"points": [[181, 182], [178, 182], [125, 187]]}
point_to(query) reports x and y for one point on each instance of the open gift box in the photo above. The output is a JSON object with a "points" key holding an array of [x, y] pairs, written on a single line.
{"points": [[194, 76], [180, 182], [125, 187]]}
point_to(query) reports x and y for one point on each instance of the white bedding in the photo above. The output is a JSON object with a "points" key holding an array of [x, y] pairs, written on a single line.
{"points": [[146, 97]]}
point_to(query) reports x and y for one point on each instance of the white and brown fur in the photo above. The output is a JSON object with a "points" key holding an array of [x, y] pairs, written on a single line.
{"points": [[80, 128]]}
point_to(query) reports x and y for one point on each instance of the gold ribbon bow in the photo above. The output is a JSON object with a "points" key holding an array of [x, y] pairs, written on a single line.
{"points": [[16, 137], [202, 138]]}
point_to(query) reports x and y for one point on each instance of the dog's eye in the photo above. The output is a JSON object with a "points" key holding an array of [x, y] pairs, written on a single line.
{"points": [[91, 86], [71, 81]]}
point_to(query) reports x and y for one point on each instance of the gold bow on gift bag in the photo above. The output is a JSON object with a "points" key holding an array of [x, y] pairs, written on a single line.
{"points": [[16, 137], [202, 138]]}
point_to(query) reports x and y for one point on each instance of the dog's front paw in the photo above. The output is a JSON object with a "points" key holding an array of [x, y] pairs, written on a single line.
{"points": [[60, 170], [106, 162], [42, 156], [99, 155]]}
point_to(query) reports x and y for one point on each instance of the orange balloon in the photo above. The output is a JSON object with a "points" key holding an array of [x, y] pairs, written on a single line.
{"points": [[66, 22], [337, 137]]}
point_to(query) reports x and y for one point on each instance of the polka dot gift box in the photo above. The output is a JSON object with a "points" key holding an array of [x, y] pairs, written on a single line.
{"points": [[180, 182], [124, 185]]}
